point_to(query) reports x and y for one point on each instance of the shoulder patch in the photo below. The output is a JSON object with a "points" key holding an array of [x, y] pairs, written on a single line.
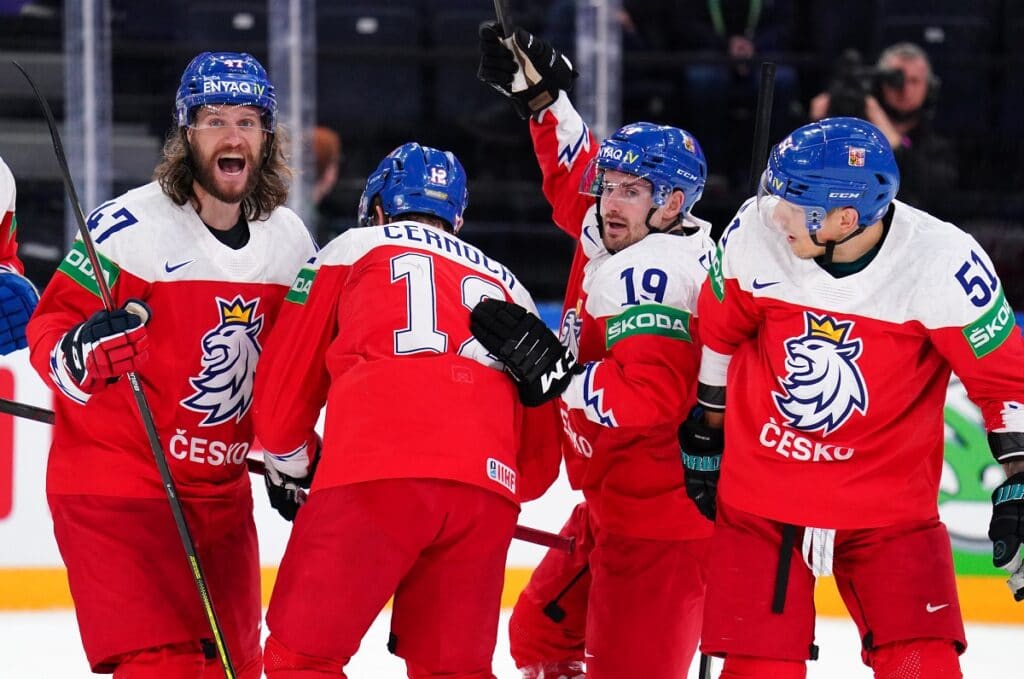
{"points": [[299, 292], [990, 330], [649, 319], [716, 275], [77, 266]]}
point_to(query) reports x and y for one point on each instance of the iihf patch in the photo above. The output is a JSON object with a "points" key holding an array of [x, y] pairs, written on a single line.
{"points": [[502, 473], [856, 157]]}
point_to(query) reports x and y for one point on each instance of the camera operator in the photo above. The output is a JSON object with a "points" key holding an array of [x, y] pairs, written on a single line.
{"points": [[898, 96]]}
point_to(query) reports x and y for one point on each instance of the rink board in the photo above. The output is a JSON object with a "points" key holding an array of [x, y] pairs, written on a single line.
{"points": [[31, 574]]}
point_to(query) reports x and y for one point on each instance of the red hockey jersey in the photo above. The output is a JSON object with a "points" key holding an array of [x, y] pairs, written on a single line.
{"points": [[377, 326], [836, 386], [631, 321], [211, 308], [8, 222]]}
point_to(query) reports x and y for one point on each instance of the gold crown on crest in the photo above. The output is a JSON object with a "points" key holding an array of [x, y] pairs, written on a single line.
{"points": [[236, 311], [826, 328]]}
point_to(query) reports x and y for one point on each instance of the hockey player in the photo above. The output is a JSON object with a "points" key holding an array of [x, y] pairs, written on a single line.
{"points": [[629, 318], [834, 321], [427, 451], [209, 250], [18, 297]]}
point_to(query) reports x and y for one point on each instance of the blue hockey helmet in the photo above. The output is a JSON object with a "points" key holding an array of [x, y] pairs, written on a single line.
{"points": [[832, 163], [234, 78], [415, 178], [668, 157]]}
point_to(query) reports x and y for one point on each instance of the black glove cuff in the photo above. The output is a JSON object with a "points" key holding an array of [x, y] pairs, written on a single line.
{"points": [[712, 398], [1006, 446]]}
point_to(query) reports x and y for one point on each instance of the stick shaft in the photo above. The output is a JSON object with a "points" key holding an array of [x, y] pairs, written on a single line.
{"points": [[145, 412], [762, 125]]}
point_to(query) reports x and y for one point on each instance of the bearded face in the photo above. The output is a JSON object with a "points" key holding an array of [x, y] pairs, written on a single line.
{"points": [[227, 144]]}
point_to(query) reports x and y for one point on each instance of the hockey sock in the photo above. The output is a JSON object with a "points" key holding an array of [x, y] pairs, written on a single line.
{"points": [[281, 662], [559, 670], [176, 661], [250, 669], [916, 659], [750, 667], [419, 672]]}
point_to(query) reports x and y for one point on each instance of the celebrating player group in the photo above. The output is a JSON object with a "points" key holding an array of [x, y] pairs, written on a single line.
{"points": [[741, 417]]}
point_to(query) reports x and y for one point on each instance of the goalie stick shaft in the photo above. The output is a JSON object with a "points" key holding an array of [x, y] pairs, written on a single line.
{"points": [[254, 466], [145, 412]]}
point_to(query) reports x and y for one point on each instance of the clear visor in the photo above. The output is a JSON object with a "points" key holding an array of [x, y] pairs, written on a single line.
{"points": [[784, 216], [219, 118], [616, 186]]}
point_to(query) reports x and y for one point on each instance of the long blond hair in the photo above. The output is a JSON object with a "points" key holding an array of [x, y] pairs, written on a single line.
{"points": [[176, 174]]}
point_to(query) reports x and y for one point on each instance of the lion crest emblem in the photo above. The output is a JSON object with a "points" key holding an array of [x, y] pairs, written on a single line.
{"points": [[223, 388], [569, 332], [824, 385]]}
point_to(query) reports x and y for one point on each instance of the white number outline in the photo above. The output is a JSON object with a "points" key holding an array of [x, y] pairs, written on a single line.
{"points": [[421, 333]]}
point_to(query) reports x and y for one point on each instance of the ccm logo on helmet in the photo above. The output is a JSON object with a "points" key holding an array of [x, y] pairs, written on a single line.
{"points": [[844, 194]]}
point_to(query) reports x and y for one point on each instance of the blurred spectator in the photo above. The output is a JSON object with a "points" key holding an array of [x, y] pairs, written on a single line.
{"points": [[329, 218], [327, 153], [903, 109], [741, 31]]}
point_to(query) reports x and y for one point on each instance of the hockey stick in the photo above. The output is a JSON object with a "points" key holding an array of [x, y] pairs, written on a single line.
{"points": [[145, 413], [762, 122], [524, 533], [256, 467], [501, 13], [26, 411], [1016, 581], [705, 667], [758, 160]]}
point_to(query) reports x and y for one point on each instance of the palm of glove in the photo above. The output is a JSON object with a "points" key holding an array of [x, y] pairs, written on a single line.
{"points": [[541, 366], [524, 68], [1006, 529]]}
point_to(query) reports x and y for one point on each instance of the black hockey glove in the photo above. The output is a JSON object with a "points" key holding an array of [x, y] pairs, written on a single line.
{"points": [[541, 366], [286, 492], [701, 449], [524, 68], [1006, 531]]}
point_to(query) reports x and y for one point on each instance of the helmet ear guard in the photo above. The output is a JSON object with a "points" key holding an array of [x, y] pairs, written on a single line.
{"points": [[416, 179]]}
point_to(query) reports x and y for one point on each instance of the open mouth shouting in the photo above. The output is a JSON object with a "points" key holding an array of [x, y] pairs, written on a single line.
{"points": [[231, 165]]}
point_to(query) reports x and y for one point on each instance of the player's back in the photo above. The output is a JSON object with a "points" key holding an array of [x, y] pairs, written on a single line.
{"points": [[411, 392]]}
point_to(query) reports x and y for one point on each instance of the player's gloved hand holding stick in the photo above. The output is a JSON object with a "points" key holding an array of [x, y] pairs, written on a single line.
{"points": [[289, 475], [108, 345], [524, 68], [700, 446], [541, 366], [1006, 530]]}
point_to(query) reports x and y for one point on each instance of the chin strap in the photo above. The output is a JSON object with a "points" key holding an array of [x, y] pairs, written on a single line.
{"points": [[830, 245], [677, 222]]}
